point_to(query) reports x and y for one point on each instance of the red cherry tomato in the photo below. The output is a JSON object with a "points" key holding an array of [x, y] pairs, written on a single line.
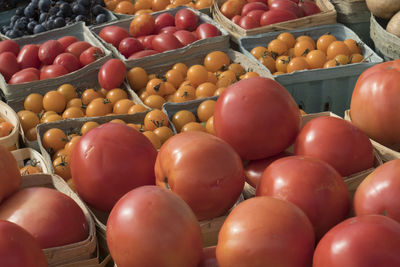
{"points": [[113, 34], [129, 45], [28, 56], [112, 74], [8, 65], [9, 46], [276, 15], [247, 22], [287, 5], [168, 29], [236, 19], [68, 61], [52, 71], [49, 50], [186, 20], [207, 30], [90, 55], [185, 37], [163, 20], [67, 41], [165, 41], [77, 48], [25, 75], [253, 6], [256, 14]]}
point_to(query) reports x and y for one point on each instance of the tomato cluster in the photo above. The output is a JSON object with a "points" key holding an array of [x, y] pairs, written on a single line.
{"points": [[6, 127], [51, 59], [286, 53]]}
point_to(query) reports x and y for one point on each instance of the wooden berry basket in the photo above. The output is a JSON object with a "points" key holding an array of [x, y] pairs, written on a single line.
{"points": [[327, 16], [12, 140], [28, 153], [386, 44]]}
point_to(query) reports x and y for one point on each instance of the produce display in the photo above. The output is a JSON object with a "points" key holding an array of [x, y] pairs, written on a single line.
{"points": [[6, 127], [43, 15], [286, 53], [30, 166], [253, 14], [389, 10], [150, 35]]}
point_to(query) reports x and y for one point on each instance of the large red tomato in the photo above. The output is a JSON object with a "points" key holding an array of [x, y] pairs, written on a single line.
{"points": [[109, 161], [337, 142], [25, 75], [112, 74], [49, 50], [52, 217], [10, 177], [9, 46], [8, 65], [203, 170], [28, 56], [165, 41], [19, 248], [375, 102], [257, 117], [312, 185], [150, 226], [265, 231], [378, 193], [364, 241], [113, 35]]}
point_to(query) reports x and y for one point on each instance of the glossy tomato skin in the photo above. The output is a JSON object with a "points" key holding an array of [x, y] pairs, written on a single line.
{"points": [[10, 177], [287, 5], [378, 193], [236, 19], [19, 248], [203, 170], [245, 116], [247, 22], [129, 158], [163, 20], [253, 6], [337, 142], [52, 217], [367, 241], [25, 75], [141, 25], [52, 71], [113, 35], [209, 257], [312, 185], [49, 50], [66, 41], [9, 46], [8, 65], [68, 61], [265, 231], [276, 15], [165, 41], [129, 45], [143, 53], [186, 20], [168, 29], [207, 30], [256, 15], [28, 56], [77, 48], [90, 55], [374, 101], [185, 37], [309, 8], [112, 74], [150, 226]]}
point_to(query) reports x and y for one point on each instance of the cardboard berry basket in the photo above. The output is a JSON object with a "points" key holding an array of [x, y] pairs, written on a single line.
{"points": [[73, 254], [386, 153], [12, 140], [196, 47], [23, 154], [80, 31], [352, 181], [319, 90], [327, 16], [386, 44]]}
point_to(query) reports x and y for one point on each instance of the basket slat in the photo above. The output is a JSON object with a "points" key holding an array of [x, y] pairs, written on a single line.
{"points": [[10, 141], [385, 43]]}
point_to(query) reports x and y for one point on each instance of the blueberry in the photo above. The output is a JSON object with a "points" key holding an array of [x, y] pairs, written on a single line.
{"points": [[101, 18], [78, 9], [29, 11], [13, 34], [24, 20], [38, 29], [43, 17], [80, 18], [59, 22], [55, 9], [35, 3], [19, 11], [31, 25], [14, 19], [52, 17], [66, 9], [85, 3], [44, 5], [19, 25], [97, 9], [50, 24]]}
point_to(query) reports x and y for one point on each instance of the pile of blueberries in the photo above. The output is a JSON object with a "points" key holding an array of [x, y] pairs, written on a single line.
{"points": [[43, 15], [9, 4]]}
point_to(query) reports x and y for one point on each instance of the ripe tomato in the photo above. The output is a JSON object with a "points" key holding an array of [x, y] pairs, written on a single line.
{"points": [[231, 8], [245, 117], [207, 30], [150, 226], [52, 71], [163, 20], [77, 48], [287, 5], [309, 7], [68, 61], [113, 34], [129, 45], [28, 56], [337, 142], [186, 20], [323, 196], [376, 89], [90, 55], [169, 29], [52, 217], [214, 183], [19, 248], [276, 15], [143, 24], [112, 74], [9, 46], [253, 6], [66, 41], [376, 194], [8, 65], [185, 37], [236, 19], [10, 177], [265, 231], [256, 14], [367, 241], [25, 75], [101, 185], [165, 41], [143, 53], [49, 50]]}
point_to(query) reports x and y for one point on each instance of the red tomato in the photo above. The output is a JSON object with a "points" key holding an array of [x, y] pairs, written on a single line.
{"points": [[207, 30], [312, 185], [245, 116], [309, 7], [8, 65], [185, 37], [130, 45], [49, 50], [247, 22], [162, 21], [10, 177], [186, 20], [77, 48], [113, 34], [287, 5], [143, 53], [90, 55], [367, 241], [231, 8], [52, 71], [210, 185], [28, 57], [265, 231], [147, 41], [253, 6], [52, 217], [19, 248], [255, 168], [374, 103], [256, 14], [236, 19], [337, 142], [261, 1], [129, 158], [25, 75], [68, 61], [9, 46], [209, 258], [143, 24], [150, 226], [67, 41], [377, 194], [276, 15], [112, 74], [168, 29], [165, 41]]}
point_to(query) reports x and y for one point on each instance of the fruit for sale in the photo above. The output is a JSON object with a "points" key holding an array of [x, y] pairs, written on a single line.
{"points": [[6, 127], [30, 166], [10, 178], [394, 25], [384, 8]]}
